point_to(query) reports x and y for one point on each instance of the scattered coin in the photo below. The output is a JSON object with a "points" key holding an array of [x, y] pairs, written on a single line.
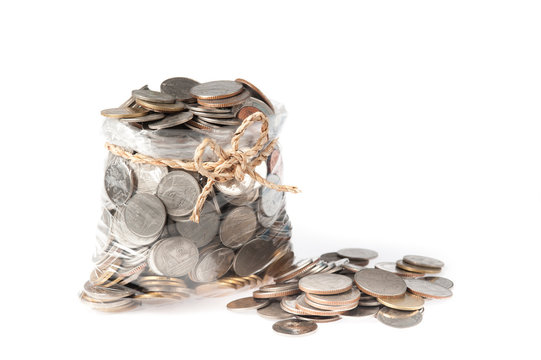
{"points": [[346, 298], [380, 283], [179, 87], [145, 118], [357, 254], [415, 268], [124, 113], [294, 327], [161, 107], [399, 318], [446, 283], [404, 302], [423, 261], [428, 289], [391, 267], [153, 96], [247, 303], [274, 311], [216, 89], [325, 284]]}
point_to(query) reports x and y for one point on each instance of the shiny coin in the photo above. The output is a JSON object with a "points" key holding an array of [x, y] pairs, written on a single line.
{"points": [[361, 311], [380, 283], [253, 257], [446, 283], [160, 107], [148, 176], [330, 257], [274, 294], [415, 268], [172, 120], [216, 89], [423, 261], [405, 302], [144, 215], [198, 108], [144, 119], [228, 102], [178, 87], [298, 270], [247, 303], [294, 327], [234, 187], [273, 311], [319, 319], [428, 289], [346, 298], [153, 96], [213, 265], [330, 307], [325, 284], [238, 227], [301, 304], [280, 287], [102, 293], [357, 254], [399, 318], [391, 267], [175, 256], [124, 113], [205, 231], [179, 191], [118, 181], [289, 304], [255, 92]]}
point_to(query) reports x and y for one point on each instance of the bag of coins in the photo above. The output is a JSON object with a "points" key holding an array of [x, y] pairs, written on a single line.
{"points": [[192, 199]]}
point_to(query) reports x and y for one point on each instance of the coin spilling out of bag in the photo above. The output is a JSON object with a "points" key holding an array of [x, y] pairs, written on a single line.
{"points": [[334, 285], [206, 224]]}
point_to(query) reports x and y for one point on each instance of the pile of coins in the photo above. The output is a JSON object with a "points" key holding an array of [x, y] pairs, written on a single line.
{"points": [[341, 284], [148, 249]]}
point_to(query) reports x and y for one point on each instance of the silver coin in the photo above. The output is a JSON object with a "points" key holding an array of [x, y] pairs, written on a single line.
{"points": [[111, 293], [216, 89], [238, 227], [145, 215], [253, 257], [210, 115], [243, 199], [319, 306], [295, 327], [319, 319], [145, 118], [213, 265], [391, 267], [325, 284], [423, 261], [234, 187], [357, 254], [173, 257], [247, 303], [179, 87], [361, 311], [280, 287], [369, 301], [380, 283], [274, 311], [203, 232], [446, 283], [172, 120], [427, 289], [153, 96], [399, 318], [179, 191], [256, 103], [118, 181], [330, 257], [199, 108], [211, 121], [346, 298], [148, 177], [131, 101], [271, 200]]}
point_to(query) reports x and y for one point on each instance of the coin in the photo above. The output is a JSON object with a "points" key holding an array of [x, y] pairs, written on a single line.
{"points": [[274, 294], [415, 268], [351, 296], [144, 215], [405, 302], [124, 113], [234, 187], [148, 176], [428, 289], [330, 257], [361, 311], [325, 284], [153, 96], [212, 121], [273, 311], [213, 265], [380, 283], [205, 231], [423, 261], [253, 257], [198, 108], [102, 293], [301, 268], [247, 303], [280, 287], [352, 267], [329, 307], [216, 89], [357, 254], [179, 87], [238, 227], [227, 102], [255, 92], [252, 105], [319, 319], [175, 256], [294, 327], [118, 181], [399, 318], [288, 304], [179, 191], [391, 267], [271, 200], [446, 283], [172, 120], [369, 301], [161, 107], [145, 118], [310, 310]]}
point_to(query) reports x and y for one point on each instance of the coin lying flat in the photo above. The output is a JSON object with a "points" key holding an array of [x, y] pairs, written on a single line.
{"points": [[405, 302], [247, 303], [319, 319], [423, 261], [145, 118], [342, 308], [280, 287], [391, 267], [124, 112], [175, 256], [361, 311], [179, 87], [172, 120], [289, 304], [330, 257], [153, 96], [274, 311], [161, 107], [227, 102], [301, 304], [325, 284], [216, 89], [380, 283], [428, 289], [415, 268], [351, 296], [357, 254], [274, 294], [446, 283], [294, 327], [179, 191], [399, 318]]}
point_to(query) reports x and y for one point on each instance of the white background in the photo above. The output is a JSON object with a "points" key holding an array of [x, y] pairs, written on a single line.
{"points": [[414, 127]]}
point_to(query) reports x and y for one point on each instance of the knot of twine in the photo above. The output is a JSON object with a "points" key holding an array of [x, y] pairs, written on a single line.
{"points": [[231, 164]]}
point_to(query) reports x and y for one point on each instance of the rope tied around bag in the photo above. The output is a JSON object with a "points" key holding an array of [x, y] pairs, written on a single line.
{"points": [[231, 164]]}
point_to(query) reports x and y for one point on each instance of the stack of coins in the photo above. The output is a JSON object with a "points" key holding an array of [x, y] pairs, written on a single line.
{"points": [[303, 296], [147, 246]]}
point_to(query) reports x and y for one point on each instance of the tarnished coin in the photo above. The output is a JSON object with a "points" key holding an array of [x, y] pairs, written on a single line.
{"points": [[161, 107], [325, 284], [446, 283], [179, 191], [407, 301], [399, 318], [175, 256], [319, 319], [144, 215], [369, 301], [274, 311], [213, 265], [351, 296], [357, 254], [179, 87], [294, 327], [247, 303], [227, 102], [253, 257], [391, 267], [148, 176], [153, 96], [255, 104], [415, 268], [144, 119], [238, 227], [124, 112], [380, 283], [423, 261], [428, 289], [216, 89], [172, 120], [203, 232], [255, 92], [271, 200], [118, 181], [330, 257], [361, 311]]}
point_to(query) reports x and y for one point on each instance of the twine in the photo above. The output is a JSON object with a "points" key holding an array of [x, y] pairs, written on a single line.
{"points": [[231, 164]]}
